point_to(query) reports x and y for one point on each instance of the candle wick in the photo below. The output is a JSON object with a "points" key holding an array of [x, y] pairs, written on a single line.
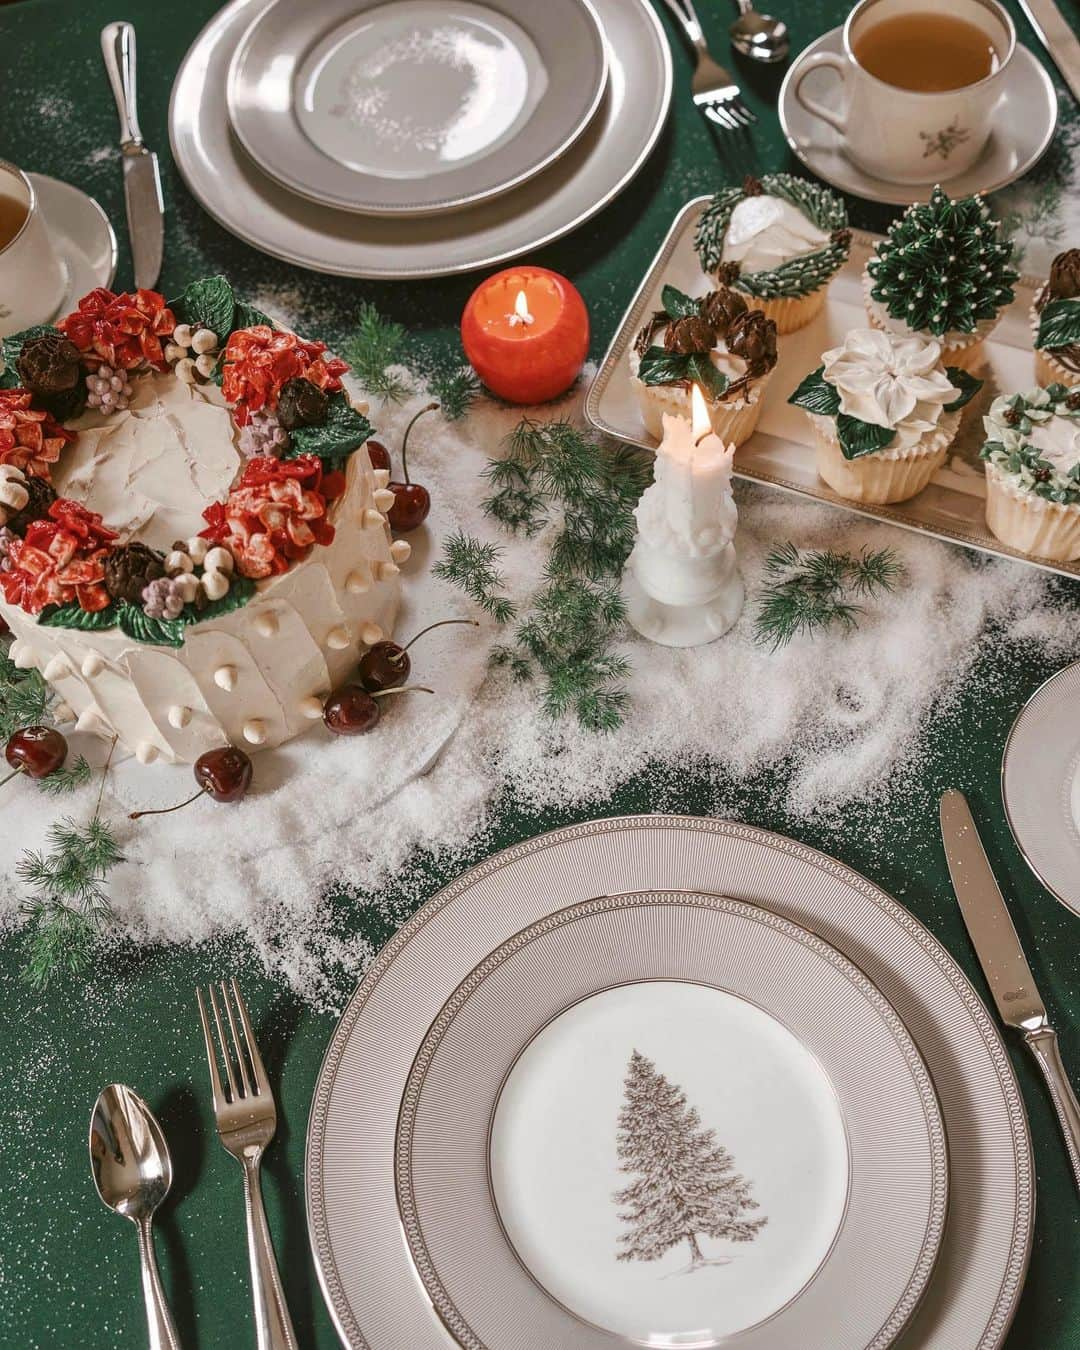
{"points": [[521, 313]]}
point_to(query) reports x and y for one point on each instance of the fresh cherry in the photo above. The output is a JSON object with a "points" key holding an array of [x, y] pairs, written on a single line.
{"points": [[411, 501], [352, 711], [387, 664], [224, 774], [37, 751], [379, 455]]}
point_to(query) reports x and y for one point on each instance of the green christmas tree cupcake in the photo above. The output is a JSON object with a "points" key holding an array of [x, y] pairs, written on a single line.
{"points": [[1032, 455], [942, 272], [778, 240], [1055, 322]]}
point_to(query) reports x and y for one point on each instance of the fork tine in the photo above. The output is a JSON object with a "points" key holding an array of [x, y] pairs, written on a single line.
{"points": [[742, 112], [718, 114], [262, 1083], [238, 1049], [211, 1055], [233, 1095]]}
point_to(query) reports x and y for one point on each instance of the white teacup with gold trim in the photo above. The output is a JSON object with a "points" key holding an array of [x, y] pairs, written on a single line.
{"points": [[32, 277]]}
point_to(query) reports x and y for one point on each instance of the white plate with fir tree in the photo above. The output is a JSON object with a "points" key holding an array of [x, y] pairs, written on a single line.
{"points": [[670, 1119]]}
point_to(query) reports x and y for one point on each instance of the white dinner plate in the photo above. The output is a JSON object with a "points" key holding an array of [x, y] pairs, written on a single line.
{"points": [[1040, 784], [263, 214], [375, 1296], [399, 107], [1023, 128], [670, 1119]]}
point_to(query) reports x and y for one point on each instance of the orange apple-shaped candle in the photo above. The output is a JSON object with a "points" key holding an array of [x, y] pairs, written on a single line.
{"points": [[525, 331]]}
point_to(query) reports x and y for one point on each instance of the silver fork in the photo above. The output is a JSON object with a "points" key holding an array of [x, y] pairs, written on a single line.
{"points": [[713, 88], [246, 1120]]}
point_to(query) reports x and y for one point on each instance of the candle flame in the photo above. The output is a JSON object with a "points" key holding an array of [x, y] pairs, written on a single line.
{"points": [[699, 418], [521, 313]]}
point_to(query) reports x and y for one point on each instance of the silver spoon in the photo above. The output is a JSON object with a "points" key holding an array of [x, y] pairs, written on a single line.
{"points": [[759, 36], [133, 1173]]}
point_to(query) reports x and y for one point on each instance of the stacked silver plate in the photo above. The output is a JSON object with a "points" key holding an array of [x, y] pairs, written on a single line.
{"points": [[407, 138], [670, 1082]]}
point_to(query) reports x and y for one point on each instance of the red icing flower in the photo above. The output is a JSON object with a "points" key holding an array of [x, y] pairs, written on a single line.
{"points": [[29, 439], [273, 515], [125, 330], [60, 559], [258, 361]]}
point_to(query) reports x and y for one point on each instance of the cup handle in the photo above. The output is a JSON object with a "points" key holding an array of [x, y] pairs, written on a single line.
{"points": [[819, 61]]}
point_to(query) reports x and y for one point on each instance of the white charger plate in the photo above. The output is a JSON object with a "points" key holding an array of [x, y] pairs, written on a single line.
{"points": [[414, 106], [593, 171], [375, 1296], [670, 1119], [1024, 126], [1040, 784]]}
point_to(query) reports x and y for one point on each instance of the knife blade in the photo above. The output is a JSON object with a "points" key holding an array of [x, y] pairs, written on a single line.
{"points": [[1058, 38], [142, 177], [994, 937]]}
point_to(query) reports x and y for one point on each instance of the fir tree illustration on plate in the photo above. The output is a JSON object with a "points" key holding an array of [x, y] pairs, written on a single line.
{"points": [[686, 1186]]}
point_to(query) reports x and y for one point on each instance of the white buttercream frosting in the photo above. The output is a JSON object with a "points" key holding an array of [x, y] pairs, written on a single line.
{"points": [[890, 382], [765, 231], [1058, 442]]}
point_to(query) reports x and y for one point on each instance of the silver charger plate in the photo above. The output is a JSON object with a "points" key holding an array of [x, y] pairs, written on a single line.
{"points": [[414, 106], [1024, 126], [670, 1119], [1040, 784], [375, 1296], [257, 210]]}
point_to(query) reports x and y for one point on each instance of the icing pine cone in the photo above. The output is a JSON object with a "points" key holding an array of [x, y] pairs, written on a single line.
{"points": [[61, 559], [29, 438], [258, 362], [125, 330]]}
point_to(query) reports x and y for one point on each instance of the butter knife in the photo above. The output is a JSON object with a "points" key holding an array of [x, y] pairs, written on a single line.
{"points": [[1003, 961], [1053, 31], [142, 179]]}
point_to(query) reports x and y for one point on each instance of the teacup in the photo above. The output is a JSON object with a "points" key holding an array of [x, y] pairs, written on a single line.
{"points": [[32, 277], [904, 135]]}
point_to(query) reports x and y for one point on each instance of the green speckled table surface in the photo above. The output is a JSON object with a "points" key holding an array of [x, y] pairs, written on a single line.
{"points": [[67, 1268]]}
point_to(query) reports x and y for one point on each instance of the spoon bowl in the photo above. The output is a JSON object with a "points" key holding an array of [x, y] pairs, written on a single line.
{"points": [[759, 36], [128, 1154]]}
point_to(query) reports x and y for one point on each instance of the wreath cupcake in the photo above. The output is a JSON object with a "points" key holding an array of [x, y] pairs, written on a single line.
{"points": [[716, 342], [1055, 322], [943, 271], [778, 240], [884, 411], [1032, 455]]}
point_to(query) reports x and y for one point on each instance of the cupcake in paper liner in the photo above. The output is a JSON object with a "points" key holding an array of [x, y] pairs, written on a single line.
{"points": [[779, 241], [943, 272], [1032, 455], [884, 411], [715, 342], [1055, 322]]}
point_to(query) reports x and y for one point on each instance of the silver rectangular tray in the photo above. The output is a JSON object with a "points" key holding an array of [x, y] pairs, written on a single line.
{"points": [[780, 452]]}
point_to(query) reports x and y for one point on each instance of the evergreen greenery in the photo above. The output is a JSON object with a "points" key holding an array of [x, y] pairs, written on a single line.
{"points": [[810, 591], [377, 345], [66, 779], [24, 697], [943, 266], [455, 390]]}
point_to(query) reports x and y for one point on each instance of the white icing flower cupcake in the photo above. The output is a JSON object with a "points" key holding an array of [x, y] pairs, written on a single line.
{"points": [[1032, 455], [778, 240], [715, 342], [884, 412], [1055, 322]]}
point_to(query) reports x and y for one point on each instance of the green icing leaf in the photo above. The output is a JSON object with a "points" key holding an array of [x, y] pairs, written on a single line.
{"points": [[137, 624], [238, 594], [210, 302], [817, 395], [334, 440], [677, 304], [1059, 324], [659, 366], [74, 616], [11, 347], [247, 316], [968, 385], [700, 369], [861, 438]]}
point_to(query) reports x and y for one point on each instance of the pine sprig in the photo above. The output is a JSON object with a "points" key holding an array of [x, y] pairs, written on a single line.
{"points": [[456, 390], [473, 567], [24, 697], [67, 779], [809, 592], [377, 345]]}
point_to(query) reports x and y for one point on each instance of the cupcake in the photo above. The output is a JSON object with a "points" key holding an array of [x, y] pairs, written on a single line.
{"points": [[715, 342], [1055, 322], [884, 411], [942, 272], [1032, 455], [779, 241]]}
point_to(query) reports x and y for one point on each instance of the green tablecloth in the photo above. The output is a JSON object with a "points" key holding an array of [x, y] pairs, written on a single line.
{"points": [[67, 1268]]}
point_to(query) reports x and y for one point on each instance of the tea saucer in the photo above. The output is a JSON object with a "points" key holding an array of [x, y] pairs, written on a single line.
{"points": [[81, 235], [1024, 127]]}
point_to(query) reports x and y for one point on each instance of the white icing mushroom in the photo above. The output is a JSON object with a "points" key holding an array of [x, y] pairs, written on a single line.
{"points": [[92, 665], [203, 341], [370, 633], [370, 517], [179, 716], [401, 550], [225, 678], [383, 498], [356, 583], [13, 492], [182, 334], [338, 638], [311, 707], [255, 730], [178, 561]]}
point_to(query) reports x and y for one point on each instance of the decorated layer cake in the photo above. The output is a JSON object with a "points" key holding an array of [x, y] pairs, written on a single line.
{"points": [[193, 542]]}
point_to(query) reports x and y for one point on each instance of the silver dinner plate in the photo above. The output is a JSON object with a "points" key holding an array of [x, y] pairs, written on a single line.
{"points": [[401, 107], [598, 166], [1040, 784], [670, 1119], [376, 1298]]}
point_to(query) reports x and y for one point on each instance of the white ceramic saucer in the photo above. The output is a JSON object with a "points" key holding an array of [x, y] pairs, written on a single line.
{"points": [[1040, 784], [81, 234], [1024, 127]]}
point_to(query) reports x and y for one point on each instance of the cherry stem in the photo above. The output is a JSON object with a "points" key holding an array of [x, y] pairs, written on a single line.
{"points": [[165, 810], [14, 774], [403, 689], [428, 407], [474, 623]]}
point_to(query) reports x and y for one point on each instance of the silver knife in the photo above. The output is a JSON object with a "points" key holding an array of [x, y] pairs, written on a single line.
{"points": [[1003, 961], [1058, 38], [142, 179]]}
